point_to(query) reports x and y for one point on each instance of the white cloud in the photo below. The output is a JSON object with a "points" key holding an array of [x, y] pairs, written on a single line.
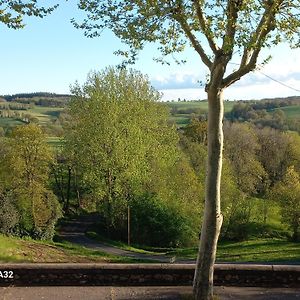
{"points": [[269, 89]]}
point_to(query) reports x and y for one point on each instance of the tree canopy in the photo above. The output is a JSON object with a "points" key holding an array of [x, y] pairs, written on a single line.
{"points": [[213, 28], [12, 12]]}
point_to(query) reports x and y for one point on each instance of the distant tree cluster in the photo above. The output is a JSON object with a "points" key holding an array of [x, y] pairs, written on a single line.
{"points": [[14, 106], [40, 99], [264, 113]]}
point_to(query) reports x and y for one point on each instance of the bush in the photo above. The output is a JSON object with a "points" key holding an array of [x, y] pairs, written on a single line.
{"points": [[9, 216], [155, 223]]}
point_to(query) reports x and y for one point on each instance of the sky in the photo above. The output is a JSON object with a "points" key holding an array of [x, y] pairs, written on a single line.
{"points": [[49, 55]]}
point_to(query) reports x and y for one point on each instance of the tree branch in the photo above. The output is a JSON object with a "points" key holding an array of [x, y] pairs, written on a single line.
{"points": [[232, 9], [197, 46], [204, 27], [251, 52]]}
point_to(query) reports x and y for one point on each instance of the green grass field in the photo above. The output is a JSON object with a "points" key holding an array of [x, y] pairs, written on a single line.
{"points": [[55, 142], [9, 122], [291, 112], [261, 250], [45, 114], [182, 118], [201, 105]]}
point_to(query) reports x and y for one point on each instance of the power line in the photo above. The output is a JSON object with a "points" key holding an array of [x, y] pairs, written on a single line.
{"points": [[271, 78], [280, 82]]}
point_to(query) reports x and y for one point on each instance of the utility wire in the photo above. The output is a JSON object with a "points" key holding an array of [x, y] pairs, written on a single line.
{"points": [[280, 82], [271, 78]]}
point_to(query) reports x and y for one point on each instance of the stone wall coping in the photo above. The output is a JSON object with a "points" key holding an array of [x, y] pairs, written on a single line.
{"points": [[154, 266], [99, 274]]}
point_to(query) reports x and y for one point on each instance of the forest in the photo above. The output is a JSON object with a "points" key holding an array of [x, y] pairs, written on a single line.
{"points": [[115, 149]]}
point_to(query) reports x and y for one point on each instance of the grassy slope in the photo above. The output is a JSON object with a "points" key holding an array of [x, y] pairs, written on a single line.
{"points": [[45, 114], [20, 250], [263, 250], [258, 250]]}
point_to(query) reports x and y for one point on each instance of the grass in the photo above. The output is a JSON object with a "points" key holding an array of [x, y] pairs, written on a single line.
{"points": [[54, 141], [185, 109], [121, 245], [18, 250], [258, 250], [45, 114], [261, 250], [291, 112], [201, 105], [10, 122]]}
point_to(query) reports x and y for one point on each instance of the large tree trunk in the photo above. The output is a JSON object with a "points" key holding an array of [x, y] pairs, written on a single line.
{"points": [[212, 221]]}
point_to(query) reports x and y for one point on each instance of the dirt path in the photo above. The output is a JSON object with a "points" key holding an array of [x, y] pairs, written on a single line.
{"points": [[74, 232]]}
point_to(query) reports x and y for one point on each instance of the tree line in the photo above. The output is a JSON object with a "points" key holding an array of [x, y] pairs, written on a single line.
{"points": [[122, 157]]}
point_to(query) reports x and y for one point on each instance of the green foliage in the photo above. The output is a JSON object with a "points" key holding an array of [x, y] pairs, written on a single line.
{"points": [[12, 12], [118, 136], [287, 192], [158, 223], [9, 215], [282, 114], [241, 148], [26, 158], [223, 25]]}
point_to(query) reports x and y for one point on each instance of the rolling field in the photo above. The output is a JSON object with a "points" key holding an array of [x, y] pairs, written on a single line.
{"points": [[181, 111], [291, 112], [45, 114], [201, 105], [9, 122]]}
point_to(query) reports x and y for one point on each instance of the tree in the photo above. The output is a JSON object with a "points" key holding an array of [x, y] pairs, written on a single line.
{"points": [[12, 12], [287, 193], [29, 161], [220, 31], [241, 148], [125, 136]]}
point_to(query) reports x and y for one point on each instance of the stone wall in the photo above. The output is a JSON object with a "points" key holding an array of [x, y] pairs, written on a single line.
{"points": [[145, 275]]}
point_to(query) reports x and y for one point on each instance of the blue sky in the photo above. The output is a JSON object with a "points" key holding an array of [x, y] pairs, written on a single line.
{"points": [[50, 54]]}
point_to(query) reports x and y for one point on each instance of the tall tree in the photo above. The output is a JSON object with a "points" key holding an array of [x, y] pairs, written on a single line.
{"points": [[118, 132], [219, 31], [29, 160], [12, 12]]}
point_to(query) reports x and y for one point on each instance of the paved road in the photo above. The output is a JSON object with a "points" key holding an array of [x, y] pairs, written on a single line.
{"points": [[147, 293], [74, 232]]}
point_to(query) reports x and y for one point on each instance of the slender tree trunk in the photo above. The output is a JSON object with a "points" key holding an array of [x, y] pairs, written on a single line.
{"points": [[128, 224], [212, 221], [68, 190]]}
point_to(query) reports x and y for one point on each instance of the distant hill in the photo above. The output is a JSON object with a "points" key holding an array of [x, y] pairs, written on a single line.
{"points": [[33, 95], [40, 99]]}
